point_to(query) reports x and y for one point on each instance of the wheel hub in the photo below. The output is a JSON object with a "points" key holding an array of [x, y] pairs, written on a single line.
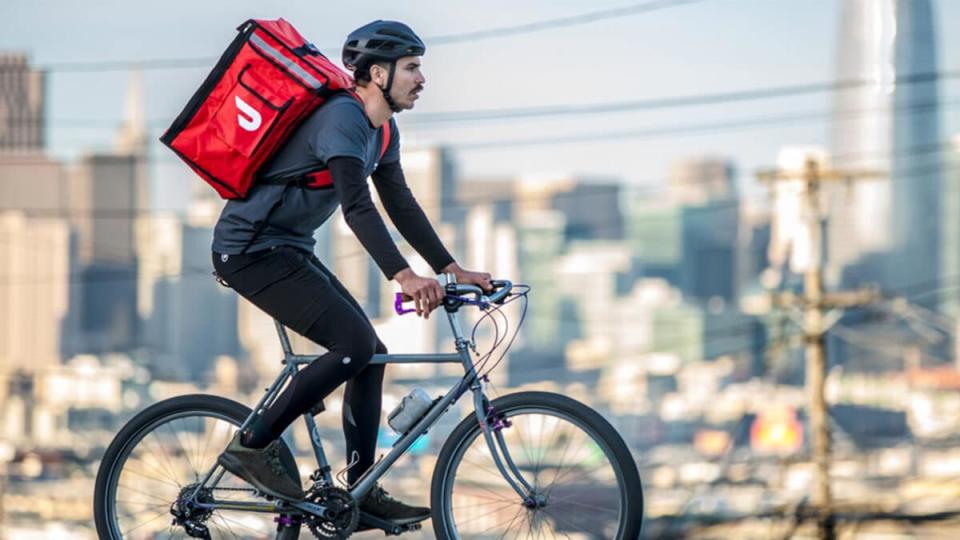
{"points": [[535, 501], [188, 513]]}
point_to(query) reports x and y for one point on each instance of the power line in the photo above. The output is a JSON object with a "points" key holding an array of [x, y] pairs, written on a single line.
{"points": [[334, 50], [674, 102], [764, 121], [749, 94], [560, 22]]}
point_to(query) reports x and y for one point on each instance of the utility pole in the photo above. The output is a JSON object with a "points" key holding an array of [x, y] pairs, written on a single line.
{"points": [[820, 310]]}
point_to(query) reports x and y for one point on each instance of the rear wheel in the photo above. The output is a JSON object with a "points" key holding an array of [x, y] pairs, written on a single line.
{"points": [[157, 460], [585, 483]]}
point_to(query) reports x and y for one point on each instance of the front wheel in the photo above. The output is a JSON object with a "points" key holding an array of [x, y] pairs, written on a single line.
{"points": [[583, 478], [159, 457]]}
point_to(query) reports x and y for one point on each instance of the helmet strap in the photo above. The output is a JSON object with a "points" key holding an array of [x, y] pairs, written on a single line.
{"points": [[386, 89]]}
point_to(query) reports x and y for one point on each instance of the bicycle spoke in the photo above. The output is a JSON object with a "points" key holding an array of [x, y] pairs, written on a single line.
{"points": [[559, 465], [158, 516], [493, 499], [158, 479], [161, 451], [225, 524], [186, 455], [490, 490], [519, 512], [510, 525], [144, 493], [142, 503], [497, 509], [240, 523], [199, 436], [566, 521], [592, 507], [587, 473]]}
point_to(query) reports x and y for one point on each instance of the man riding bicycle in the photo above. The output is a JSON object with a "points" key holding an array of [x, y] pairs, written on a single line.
{"points": [[263, 249]]}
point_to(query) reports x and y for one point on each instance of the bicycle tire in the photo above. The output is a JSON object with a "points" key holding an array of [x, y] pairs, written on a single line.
{"points": [[629, 486], [139, 427]]}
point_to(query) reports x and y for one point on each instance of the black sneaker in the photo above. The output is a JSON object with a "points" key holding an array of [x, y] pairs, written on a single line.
{"points": [[262, 468], [379, 503]]}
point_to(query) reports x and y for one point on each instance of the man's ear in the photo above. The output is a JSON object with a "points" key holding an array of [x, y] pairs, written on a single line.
{"points": [[378, 74]]}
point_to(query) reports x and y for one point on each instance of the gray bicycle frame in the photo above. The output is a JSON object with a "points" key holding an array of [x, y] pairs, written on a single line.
{"points": [[471, 381]]}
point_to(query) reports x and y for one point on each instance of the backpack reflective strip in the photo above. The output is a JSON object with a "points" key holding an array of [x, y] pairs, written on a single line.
{"points": [[290, 65]]}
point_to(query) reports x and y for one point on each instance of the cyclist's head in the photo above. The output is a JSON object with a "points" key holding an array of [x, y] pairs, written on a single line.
{"points": [[387, 53]]}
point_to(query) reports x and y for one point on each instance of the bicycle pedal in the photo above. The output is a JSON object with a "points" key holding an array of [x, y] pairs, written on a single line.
{"points": [[397, 530], [388, 527]]}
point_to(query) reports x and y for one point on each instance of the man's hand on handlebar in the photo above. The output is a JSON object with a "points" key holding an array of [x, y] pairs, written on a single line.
{"points": [[480, 279], [426, 293]]}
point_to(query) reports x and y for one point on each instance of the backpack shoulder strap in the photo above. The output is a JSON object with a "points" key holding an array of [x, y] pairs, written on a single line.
{"points": [[386, 140]]}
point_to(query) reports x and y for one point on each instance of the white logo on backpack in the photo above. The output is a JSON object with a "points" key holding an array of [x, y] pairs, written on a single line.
{"points": [[253, 120]]}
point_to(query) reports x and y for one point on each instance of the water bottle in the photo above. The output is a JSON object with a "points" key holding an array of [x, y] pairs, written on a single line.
{"points": [[411, 409]]}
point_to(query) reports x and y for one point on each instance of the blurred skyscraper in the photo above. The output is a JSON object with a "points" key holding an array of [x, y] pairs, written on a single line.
{"points": [[34, 236], [887, 119], [30, 181], [701, 180], [34, 285], [109, 193], [917, 150], [689, 236], [22, 100], [859, 214], [189, 318]]}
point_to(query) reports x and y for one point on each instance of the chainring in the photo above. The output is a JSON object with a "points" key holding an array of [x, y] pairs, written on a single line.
{"points": [[344, 513]]}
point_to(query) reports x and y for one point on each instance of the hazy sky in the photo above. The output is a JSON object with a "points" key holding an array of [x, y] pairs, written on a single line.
{"points": [[703, 47]]}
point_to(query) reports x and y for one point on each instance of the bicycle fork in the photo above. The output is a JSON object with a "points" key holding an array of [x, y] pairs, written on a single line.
{"points": [[492, 425]]}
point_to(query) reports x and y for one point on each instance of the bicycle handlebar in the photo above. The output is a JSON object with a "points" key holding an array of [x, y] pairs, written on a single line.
{"points": [[503, 285], [457, 291]]}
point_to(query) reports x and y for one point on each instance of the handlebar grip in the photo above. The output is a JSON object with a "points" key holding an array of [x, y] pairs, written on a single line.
{"points": [[399, 299]]}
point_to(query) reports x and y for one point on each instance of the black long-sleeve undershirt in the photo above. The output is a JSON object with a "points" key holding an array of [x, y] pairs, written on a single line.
{"points": [[364, 220], [408, 216]]}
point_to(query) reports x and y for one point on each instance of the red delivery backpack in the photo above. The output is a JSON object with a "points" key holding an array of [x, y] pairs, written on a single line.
{"points": [[265, 84]]}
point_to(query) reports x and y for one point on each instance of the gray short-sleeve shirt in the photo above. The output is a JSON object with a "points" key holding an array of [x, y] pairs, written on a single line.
{"points": [[339, 128]]}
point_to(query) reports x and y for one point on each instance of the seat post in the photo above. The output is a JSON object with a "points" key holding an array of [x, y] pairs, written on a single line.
{"points": [[284, 339]]}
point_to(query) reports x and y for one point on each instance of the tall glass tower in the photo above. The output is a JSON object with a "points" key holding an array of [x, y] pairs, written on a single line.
{"points": [[917, 154], [887, 117]]}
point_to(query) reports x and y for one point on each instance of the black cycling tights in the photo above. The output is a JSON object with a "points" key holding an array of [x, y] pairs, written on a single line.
{"points": [[295, 288]]}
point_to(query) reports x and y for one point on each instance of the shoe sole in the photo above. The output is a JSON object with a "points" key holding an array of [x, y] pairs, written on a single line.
{"points": [[403, 521], [367, 526], [412, 520], [234, 466]]}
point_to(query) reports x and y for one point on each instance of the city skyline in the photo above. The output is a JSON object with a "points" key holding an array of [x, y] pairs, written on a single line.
{"points": [[656, 303], [100, 95]]}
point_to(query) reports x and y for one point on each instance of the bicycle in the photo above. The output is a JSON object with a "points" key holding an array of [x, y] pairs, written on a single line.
{"points": [[502, 472]]}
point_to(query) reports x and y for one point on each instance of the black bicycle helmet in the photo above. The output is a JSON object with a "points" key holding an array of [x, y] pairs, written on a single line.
{"points": [[381, 41]]}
